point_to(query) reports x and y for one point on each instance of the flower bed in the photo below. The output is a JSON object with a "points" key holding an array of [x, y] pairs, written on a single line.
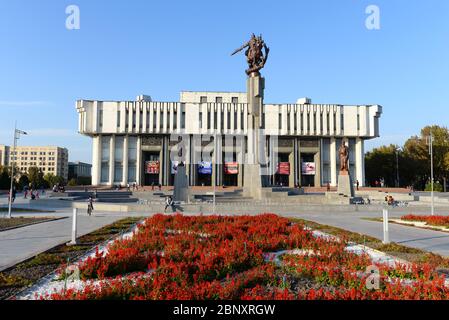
{"points": [[440, 221], [225, 257]]}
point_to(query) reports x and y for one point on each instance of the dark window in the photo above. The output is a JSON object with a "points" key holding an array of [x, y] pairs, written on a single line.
{"points": [[235, 100], [183, 120], [100, 121], [118, 119], [219, 100], [200, 119], [154, 119], [203, 99]]}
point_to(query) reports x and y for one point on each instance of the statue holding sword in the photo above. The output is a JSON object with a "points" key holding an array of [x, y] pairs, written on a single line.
{"points": [[255, 56]]}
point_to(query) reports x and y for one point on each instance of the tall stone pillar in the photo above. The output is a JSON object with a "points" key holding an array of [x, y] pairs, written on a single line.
{"points": [[360, 161], [112, 160], [333, 162], [125, 160], [139, 162], [96, 160], [252, 179]]}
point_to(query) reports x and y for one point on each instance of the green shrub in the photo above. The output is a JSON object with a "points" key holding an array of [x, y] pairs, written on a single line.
{"points": [[436, 187]]}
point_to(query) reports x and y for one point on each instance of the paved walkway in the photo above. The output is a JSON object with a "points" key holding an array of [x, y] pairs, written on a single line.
{"points": [[20, 244]]}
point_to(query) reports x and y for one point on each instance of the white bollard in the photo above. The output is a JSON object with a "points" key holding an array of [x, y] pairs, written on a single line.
{"points": [[74, 225], [385, 223]]}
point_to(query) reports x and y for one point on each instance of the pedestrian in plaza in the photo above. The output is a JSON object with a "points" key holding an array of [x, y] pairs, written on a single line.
{"points": [[152, 186], [90, 206], [127, 187], [25, 193], [160, 186], [168, 203], [357, 185]]}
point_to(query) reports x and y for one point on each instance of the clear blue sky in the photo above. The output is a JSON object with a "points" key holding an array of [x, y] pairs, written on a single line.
{"points": [[319, 49]]}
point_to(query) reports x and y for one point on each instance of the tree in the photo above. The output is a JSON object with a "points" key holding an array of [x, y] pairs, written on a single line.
{"points": [[23, 181], [5, 178], [414, 160], [380, 163], [36, 177]]}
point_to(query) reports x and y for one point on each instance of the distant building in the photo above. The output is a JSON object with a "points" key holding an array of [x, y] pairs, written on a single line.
{"points": [[49, 159], [79, 169]]}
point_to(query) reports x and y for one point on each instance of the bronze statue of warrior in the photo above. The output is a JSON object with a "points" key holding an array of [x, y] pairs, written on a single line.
{"points": [[343, 151], [255, 56]]}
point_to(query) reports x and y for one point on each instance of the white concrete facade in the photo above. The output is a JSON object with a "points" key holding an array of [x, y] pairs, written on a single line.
{"points": [[314, 130]]}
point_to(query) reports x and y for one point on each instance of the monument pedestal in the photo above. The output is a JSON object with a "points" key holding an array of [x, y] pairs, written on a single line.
{"points": [[345, 185], [252, 181], [181, 190]]}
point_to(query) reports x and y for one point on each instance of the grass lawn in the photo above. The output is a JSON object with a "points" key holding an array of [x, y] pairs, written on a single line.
{"points": [[15, 222]]}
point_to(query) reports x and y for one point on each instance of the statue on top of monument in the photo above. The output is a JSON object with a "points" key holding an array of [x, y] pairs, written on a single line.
{"points": [[343, 151], [254, 54]]}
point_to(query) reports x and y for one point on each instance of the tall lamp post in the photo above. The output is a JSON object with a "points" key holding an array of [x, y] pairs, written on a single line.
{"points": [[397, 167], [430, 142], [17, 134]]}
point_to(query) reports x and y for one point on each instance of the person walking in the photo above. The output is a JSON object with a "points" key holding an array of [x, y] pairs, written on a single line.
{"points": [[90, 206], [168, 203], [357, 185], [152, 186]]}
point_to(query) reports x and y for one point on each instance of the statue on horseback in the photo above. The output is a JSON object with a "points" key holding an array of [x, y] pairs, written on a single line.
{"points": [[255, 56]]}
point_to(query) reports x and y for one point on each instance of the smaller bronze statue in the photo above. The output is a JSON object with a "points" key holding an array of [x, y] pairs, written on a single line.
{"points": [[343, 151], [254, 54]]}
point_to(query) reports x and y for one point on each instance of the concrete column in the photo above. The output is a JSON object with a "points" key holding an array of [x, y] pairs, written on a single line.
{"points": [[96, 160], [360, 161], [125, 160], [291, 178], [333, 162], [139, 162], [111, 160]]}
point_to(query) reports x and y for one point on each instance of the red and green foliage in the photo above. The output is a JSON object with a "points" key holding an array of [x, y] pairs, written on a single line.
{"points": [[225, 257], [442, 221]]}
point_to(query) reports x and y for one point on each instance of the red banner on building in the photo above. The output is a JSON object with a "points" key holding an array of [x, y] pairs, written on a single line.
{"points": [[152, 167], [231, 168], [284, 168]]}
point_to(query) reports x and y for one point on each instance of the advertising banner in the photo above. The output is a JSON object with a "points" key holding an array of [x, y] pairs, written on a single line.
{"points": [[205, 167], [308, 168], [152, 167], [231, 168], [284, 168]]}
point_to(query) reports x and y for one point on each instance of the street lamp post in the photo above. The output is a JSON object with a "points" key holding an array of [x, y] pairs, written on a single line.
{"points": [[215, 166], [397, 167], [17, 134], [430, 140]]}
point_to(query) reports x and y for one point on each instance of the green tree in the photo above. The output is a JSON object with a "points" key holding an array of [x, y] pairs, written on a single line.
{"points": [[380, 163], [5, 178], [36, 177]]}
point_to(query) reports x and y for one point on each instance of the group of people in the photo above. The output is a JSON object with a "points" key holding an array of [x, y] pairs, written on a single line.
{"points": [[58, 188], [389, 200], [33, 194], [153, 185]]}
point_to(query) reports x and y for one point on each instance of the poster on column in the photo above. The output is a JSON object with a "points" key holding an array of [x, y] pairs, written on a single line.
{"points": [[174, 167], [152, 167], [231, 168], [308, 168], [284, 168], [205, 167]]}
